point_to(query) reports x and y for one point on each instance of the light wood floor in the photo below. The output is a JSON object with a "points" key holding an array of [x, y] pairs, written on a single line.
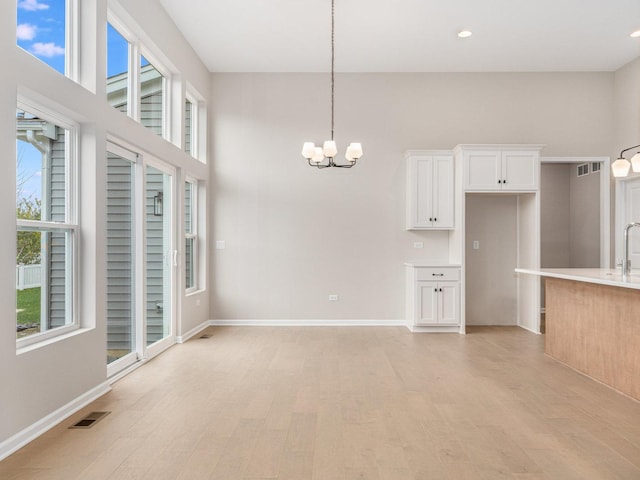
{"points": [[348, 403]]}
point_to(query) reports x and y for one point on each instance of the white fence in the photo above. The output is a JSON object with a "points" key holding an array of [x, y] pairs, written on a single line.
{"points": [[28, 276]]}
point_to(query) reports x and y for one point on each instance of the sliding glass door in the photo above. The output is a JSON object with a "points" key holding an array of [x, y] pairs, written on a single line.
{"points": [[160, 257], [141, 257]]}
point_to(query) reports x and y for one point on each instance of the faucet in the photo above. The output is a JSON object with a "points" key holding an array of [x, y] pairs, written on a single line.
{"points": [[626, 263]]}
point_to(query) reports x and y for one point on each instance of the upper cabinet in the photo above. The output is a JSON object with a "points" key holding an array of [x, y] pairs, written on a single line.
{"points": [[430, 190], [500, 167]]}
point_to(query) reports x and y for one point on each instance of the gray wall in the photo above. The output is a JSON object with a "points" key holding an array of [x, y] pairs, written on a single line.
{"points": [[294, 235], [491, 296], [569, 217]]}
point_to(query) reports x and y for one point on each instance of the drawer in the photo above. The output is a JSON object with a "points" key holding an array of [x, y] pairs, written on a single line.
{"points": [[437, 274]]}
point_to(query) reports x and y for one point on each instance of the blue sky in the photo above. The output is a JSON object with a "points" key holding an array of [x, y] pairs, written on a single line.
{"points": [[40, 30]]}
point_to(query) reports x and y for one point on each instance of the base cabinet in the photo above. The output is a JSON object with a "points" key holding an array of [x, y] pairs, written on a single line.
{"points": [[433, 298]]}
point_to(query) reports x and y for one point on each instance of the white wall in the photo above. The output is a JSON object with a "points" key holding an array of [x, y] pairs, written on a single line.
{"points": [[294, 235], [40, 381]]}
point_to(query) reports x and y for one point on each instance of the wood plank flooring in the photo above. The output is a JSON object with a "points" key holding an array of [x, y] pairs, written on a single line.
{"points": [[348, 403]]}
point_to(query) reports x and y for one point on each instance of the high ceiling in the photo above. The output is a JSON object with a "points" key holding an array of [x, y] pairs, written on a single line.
{"points": [[410, 35]]}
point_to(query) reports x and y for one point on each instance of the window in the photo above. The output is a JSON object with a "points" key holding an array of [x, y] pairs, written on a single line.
{"points": [[117, 69], [194, 124], [46, 232], [189, 126], [42, 30], [152, 101], [191, 235]]}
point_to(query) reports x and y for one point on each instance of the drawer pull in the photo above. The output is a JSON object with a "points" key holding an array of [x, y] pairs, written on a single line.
{"points": [[438, 274]]}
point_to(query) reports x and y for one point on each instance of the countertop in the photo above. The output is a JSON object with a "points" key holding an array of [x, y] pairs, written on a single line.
{"points": [[432, 263], [601, 276]]}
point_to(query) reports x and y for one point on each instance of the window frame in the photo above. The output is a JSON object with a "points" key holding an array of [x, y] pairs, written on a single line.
{"points": [[198, 124], [70, 226], [193, 236]]}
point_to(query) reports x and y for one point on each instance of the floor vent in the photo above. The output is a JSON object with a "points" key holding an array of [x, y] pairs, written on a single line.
{"points": [[90, 420], [205, 335]]}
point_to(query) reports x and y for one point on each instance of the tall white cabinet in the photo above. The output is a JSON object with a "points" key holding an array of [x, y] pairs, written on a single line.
{"points": [[430, 190]]}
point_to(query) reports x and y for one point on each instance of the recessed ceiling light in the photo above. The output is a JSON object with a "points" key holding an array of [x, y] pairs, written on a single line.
{"points": [[465, 34], [635, 34]]}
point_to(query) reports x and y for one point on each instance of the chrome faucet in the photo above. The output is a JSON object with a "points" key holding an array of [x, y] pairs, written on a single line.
{"points": [[626, 263]]}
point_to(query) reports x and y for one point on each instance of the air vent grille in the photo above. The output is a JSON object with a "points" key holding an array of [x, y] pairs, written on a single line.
{"points": [[90, 420]]}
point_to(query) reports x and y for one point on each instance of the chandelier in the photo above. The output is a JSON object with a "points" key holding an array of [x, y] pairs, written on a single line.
{"points": [[324, 157], [621, 166]]}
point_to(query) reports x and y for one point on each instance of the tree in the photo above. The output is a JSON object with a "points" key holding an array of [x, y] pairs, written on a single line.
{"points": [[28, 246]]}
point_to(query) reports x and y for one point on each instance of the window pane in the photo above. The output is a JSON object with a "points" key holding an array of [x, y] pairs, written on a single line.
{"points": [[43, 280], [41, 30], [188, 127], [188, 207], [189, 262], [151, 97], [120, 257], [41, 157], [117, 69]]}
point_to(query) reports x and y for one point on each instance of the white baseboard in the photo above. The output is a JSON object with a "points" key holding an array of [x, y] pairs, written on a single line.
{"points": [[30, 433], [308, 323], [529, 330], [194, 331]]}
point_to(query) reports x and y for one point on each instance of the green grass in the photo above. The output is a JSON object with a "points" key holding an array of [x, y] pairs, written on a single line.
{"points": [[29, 305]]}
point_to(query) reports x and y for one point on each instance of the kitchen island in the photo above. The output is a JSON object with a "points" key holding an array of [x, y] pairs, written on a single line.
{"points": [[592, 319]]}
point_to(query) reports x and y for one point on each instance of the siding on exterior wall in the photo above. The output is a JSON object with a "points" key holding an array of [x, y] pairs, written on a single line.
{"points": [[55, 206], [120, 253], [155, 258]]}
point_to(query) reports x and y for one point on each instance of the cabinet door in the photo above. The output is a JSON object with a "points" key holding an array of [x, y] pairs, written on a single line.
{"points": [[482, 170], [520, 170], [427, 303], [420, 193], [448, 303], [443, 192]]}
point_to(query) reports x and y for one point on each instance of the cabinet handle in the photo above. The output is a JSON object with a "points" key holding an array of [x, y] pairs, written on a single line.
{"points": [[430, 219], [440, 289], [499, 181], [437, 274], [435, 219], [435, 289], [504, 181]]}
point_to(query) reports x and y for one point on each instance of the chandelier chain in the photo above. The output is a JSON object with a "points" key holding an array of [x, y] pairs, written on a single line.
{"points": [[332, 63]]}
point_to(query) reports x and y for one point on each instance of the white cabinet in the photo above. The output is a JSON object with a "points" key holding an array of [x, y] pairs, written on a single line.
{"points": [[501, 169], [430, 190], [433, 298]]}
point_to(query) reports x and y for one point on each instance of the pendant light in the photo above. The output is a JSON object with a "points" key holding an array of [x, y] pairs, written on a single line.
{"points": [[324, 157], [620, 168]]}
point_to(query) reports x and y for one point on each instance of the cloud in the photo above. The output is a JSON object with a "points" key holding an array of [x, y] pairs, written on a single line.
{"points": [[32, 5], [38, 173], [47, 50], [26, 31]]}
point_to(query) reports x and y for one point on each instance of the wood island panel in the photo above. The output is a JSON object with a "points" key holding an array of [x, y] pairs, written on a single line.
{"points": [[596, 330]]}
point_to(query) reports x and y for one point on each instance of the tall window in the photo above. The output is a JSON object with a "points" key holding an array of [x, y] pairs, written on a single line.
{"points": [[46, 229], [152, 101], [191, 235], [189, 126], [117, 69], [42, 31]]}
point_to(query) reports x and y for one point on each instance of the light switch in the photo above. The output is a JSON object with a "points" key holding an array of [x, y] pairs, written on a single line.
{"points": [[221, 244], [476, 244]]}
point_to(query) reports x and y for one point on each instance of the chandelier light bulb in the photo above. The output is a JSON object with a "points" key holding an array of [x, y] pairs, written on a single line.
{"points": [[635, 162], [620, 167], [318, 156], [308, 149], [329, 149]]}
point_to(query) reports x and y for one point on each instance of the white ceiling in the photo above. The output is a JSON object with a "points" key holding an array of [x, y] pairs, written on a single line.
{"points": [[410, 35]]}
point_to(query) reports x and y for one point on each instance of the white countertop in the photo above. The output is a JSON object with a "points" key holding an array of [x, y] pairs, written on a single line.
{"points": [[431, 263], [601, 276]]}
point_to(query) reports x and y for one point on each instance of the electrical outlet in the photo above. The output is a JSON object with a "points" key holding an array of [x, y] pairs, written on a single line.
{"points": [[221, 244], [476, 244], [333, 298], [418, 244], [197, 302]]}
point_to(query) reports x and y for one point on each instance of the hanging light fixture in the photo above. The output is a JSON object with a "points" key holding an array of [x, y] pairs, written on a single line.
{"points": [[621, 166], [324, 157]]}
